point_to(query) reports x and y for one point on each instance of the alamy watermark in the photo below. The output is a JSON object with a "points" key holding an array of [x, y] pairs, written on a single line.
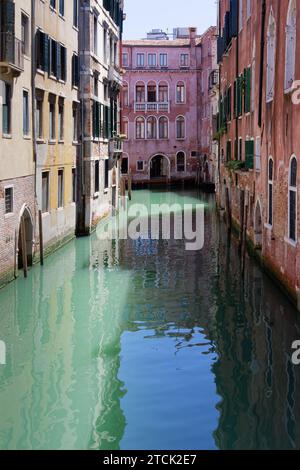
{"points": [[157, 222], [2, 353], [296, 354]]}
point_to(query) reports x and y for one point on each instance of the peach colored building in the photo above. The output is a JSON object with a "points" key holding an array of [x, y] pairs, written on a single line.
{"points": [[259, 125], [164, 85]]}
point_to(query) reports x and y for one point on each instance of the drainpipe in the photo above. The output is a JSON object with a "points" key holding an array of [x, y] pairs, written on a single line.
{"points": [[262, 53], [33, 64]]}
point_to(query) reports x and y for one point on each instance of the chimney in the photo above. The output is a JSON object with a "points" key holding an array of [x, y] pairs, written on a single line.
{"points": [[193, 34]]}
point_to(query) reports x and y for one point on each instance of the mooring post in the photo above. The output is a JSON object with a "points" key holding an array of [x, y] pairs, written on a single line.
{"points": [[24, 247], [129, 185], [41, 238]]}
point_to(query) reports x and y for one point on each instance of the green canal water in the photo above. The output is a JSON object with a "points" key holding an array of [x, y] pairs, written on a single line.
{"points": [[144, 345]]}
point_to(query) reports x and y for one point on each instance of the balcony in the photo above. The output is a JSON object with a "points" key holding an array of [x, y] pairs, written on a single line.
{"points": [[114, 75], [155, 107], [11, 54], [115, 146]]}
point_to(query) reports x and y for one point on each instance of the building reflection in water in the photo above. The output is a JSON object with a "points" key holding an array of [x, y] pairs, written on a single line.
{"points": [[83, 332]]}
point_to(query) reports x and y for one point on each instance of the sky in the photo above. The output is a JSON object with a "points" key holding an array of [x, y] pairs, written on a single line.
{"points": [[144, 15]]}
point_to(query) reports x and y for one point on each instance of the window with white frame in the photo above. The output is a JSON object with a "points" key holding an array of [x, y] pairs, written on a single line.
{"points": [[125, 95], [151, 60], [271, 46], [180, 162], [163, 60], [140, 128], [180, 92], [163, 92], [151, 127], [293, 199], [184, 60], [258, 154], [140, 93], [270, 190], [140, 165], [163, 125], [9, 200], [125, 62], [125, 127], [180, 127], [140, 60], [290, 45]]}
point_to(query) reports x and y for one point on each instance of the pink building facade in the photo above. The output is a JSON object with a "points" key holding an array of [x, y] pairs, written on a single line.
{"points": [[164, 87]]}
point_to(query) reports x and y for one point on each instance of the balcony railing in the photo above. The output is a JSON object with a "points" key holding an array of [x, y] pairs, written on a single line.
{"points": [[11, 53], [160, 106], [116, 145]]}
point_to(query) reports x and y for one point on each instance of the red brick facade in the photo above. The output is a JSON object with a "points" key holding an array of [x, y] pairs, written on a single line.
{"points": [[259, 124]]}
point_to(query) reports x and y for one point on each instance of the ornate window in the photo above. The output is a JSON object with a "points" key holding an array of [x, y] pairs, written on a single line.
{"points": [[140, 92], [271, 55], [140, 128], [180, 92], [151, 127], [180, 128], [180, 162], [163, 125], [290, 45]]}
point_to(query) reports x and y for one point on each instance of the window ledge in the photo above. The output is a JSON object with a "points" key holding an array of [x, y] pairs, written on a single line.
{"points": [[61, 141], [51, 142], [45, 214], [9, 215], [60, 209], [106, 190], [7, 136], [75, 142], [40, 141], [290, 242], [269, 227], [26, 137]]}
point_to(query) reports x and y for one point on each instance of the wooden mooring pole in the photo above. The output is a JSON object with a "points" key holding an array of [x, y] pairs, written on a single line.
{"points": [[41, 238], [129, 185], [24, 248]]}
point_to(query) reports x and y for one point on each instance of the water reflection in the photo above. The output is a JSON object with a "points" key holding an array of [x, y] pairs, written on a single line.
{"points": [[140, 344]]}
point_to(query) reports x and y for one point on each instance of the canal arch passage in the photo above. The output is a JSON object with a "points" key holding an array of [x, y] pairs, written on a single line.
{"points": [[159, 167], [141, 344]]}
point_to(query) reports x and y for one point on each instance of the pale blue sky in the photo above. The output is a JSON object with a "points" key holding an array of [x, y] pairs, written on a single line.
{"points": [[144, 15]]}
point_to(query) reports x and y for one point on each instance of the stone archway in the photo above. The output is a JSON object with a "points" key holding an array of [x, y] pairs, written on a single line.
{"points": [[159, 167], [25, 239], [258, 226]]}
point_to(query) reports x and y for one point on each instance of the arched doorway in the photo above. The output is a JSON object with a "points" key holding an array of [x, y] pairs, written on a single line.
{"points": [[25, 243], [159, 167], [258, 226]]}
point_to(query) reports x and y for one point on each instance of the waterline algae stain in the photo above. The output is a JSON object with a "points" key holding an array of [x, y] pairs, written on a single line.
{"points": [[120, 344]]}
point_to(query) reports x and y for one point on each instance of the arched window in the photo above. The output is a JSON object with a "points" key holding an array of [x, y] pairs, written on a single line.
{"points": [[270, 190], [140, 128], [151, 127], [151, 92], [125, 95], [293, 200], [290, 45], [180, 162], [140, 92], [180, 128], [163, 125], [125, 127], [180, 92], [271, 46], [163, 92]]}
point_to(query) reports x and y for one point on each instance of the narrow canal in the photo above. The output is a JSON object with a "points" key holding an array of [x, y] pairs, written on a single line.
{"points": [[144, 345]]}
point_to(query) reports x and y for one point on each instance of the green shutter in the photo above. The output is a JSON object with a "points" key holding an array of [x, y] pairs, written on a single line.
{"points": [[247, 78], [249, 152]]}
